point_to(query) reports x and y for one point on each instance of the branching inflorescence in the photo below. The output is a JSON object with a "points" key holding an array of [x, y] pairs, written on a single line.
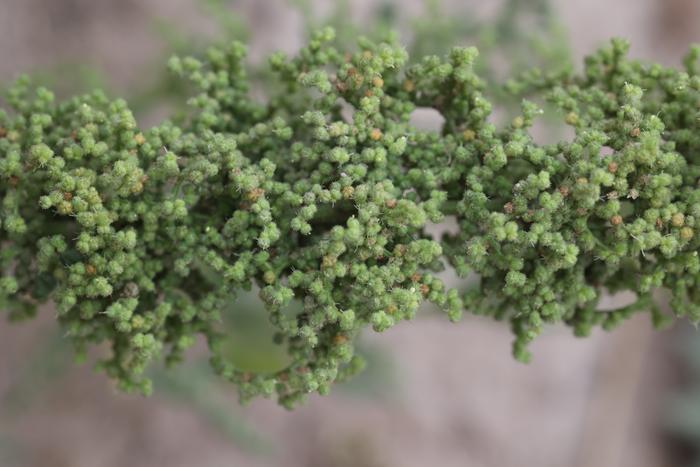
{"points": [[323, 191]]}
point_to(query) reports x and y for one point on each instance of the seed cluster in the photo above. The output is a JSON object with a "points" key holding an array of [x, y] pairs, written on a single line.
{"points": [[323, 191]]}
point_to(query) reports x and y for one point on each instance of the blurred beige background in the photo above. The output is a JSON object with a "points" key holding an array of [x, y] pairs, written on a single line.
{"points": [[457, 397]]}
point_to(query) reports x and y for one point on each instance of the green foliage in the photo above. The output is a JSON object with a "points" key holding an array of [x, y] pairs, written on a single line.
{"points": [[322, 192], [681, 412], [192, 387]]}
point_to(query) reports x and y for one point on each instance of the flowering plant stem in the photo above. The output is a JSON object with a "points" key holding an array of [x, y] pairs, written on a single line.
{"points": [[323, 191]]}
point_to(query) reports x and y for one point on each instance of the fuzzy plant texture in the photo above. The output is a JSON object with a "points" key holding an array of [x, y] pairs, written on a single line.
{"points": [[323, 191]]}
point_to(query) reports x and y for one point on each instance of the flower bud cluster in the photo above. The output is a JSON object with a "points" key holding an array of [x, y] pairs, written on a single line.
{"points": [[324, 194]]}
